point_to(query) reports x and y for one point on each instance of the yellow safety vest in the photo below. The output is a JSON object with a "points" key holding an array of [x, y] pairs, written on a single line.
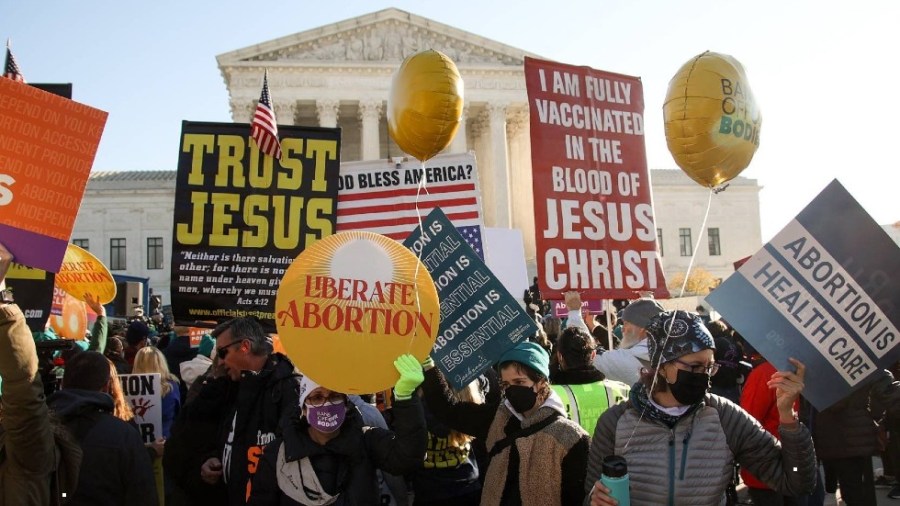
{"points": [[585, 403]]}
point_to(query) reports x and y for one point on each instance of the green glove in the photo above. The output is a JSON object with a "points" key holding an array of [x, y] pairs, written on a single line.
{"points": [[411, 376]]}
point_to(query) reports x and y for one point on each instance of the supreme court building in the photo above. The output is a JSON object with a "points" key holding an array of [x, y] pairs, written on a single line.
{"points": [[340, 75]]}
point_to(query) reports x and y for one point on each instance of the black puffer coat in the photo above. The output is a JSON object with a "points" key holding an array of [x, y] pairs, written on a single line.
{"points": [[847, 429], [115, 467], [350, 459], [264, 401]]}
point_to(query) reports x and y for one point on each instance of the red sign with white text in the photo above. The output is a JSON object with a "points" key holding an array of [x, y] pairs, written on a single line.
{"points": [[594, 221]]}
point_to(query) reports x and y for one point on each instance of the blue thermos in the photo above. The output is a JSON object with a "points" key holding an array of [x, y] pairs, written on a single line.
{"points": [[615, 478]]}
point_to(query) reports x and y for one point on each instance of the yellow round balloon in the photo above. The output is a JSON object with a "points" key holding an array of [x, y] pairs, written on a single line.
{"points": [[352, 303], [425, 104], [82, 273], [712, 120]]}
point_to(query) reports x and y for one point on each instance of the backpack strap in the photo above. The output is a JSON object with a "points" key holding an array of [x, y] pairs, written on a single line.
{"points": [[510, 439]]}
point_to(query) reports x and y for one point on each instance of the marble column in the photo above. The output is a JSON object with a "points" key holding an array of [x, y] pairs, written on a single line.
{"points": [[499, 164], [285, 113], [369, 117], [522, 194], [243, 112], [327, 110], [458, 144], [481, 144]]}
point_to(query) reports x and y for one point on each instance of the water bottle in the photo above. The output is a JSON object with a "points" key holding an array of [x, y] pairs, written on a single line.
{"points": [[615, 477]]}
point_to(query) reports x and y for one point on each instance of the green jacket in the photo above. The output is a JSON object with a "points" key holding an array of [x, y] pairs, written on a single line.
{"points": [[33, 448]]}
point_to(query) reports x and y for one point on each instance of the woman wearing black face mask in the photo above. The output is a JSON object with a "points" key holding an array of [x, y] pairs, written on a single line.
{"points": [[680, 442], [536, 456]]}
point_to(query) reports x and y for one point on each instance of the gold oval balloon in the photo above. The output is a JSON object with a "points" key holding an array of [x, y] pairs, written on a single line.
{"points": [[425, 104], [81, 273], [712, 120]]}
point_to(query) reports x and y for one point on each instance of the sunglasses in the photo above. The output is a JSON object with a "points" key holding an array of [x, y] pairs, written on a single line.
{"points": [[223, 351]]}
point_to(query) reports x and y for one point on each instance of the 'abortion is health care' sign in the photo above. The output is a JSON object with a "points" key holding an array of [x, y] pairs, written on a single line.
{"points": [[825, 291]]}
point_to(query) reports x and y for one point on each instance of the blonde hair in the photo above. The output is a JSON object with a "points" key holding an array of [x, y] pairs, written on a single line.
{"points": [[149, 360], [121, 408]]}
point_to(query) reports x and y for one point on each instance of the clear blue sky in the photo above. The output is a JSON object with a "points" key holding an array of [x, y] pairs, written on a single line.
{"points": [[825, 74]]}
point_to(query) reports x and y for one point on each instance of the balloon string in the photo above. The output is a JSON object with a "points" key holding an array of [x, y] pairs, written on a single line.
{"points": [[697, 245], [712, 191], [419, 188]]}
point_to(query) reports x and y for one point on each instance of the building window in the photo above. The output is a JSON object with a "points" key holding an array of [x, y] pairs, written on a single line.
{"points": [[715, 249], [82, 243], [117, 254], [154, 253], [684, 236], [659, 243]]}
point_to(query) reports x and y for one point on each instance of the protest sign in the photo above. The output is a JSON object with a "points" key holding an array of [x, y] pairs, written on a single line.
{"points": [[480, 320], [33, 290], [390, 198], [68, 315], [241, 217], [350, 305], [594, 225], [593, 306], [504, 255], [47, 147], [825, 291], [144, 393], [82, 273]]}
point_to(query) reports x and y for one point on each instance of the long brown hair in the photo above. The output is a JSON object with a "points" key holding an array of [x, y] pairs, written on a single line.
{"points": [[121, 408]]}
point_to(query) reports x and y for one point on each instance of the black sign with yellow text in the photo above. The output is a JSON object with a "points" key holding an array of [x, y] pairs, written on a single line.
{"points": [[241, 217]]}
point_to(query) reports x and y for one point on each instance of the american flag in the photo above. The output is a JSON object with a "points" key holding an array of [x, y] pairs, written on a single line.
{"points": [[264, 127], [12, 68], [391, 210], [472, 235]]}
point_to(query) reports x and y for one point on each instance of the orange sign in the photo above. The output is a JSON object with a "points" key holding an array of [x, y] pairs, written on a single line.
{"points": [[352, 303], [47, 147], [83, 273], [69, 318]]}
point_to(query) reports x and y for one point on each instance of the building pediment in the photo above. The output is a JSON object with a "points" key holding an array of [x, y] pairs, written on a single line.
{"points": [[386, 36]]}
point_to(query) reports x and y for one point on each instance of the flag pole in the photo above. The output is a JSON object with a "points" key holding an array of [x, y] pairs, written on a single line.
{"points": [[609, 329]]}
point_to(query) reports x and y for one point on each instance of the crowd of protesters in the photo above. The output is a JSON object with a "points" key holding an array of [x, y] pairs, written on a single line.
{"points": [[684, 400]]}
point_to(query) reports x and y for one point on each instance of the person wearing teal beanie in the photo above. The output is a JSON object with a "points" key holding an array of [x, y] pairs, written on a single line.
{"points": [[529, 439]]}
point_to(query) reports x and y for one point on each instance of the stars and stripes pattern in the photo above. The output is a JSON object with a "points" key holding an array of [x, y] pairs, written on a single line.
{"points": [[264, 129], [391, 211], [472, 235], [12, 68]]}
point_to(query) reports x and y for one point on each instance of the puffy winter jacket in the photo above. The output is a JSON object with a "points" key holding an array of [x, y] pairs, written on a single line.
{"points": [[623, 364], [693, 462], [116, 468], [847, 429], [28, 456], [263, 402], [350, 459]]}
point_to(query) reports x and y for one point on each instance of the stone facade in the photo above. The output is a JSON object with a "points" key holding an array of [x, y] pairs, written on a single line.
{"points": [[139, 205], [339, 75]]}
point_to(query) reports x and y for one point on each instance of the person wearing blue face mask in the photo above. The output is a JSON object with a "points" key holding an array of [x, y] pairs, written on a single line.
{"points": [[327, 455]]}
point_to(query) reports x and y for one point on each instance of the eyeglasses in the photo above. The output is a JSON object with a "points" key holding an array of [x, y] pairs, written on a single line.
{"points": [[710, 369], [223, 351], [320, 400]]}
